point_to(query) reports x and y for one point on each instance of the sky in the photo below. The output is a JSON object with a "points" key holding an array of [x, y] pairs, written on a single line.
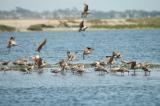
{"points": [[103, 5]]}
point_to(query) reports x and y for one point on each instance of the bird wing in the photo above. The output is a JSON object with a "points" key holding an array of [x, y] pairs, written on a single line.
{"points": [[85, 7], [41, 45]]}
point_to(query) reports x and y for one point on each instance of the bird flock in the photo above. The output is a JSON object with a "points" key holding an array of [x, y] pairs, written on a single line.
{"points": [[103, 66]]}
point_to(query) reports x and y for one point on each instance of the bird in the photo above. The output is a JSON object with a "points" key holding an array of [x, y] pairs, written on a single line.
{"points": [[4, 62], [79, 68], [71, 56], [40, 46], [82, 27], [55, 71], [20, 62], [11, 42], [120, 69], [87, 51], [133, 65], [38, 61], [117, 54], [145, 68], [111, 59], [85, 11], [99, 66], [63, 64]]}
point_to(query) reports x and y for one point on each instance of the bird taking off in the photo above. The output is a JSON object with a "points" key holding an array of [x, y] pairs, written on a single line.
{"points": [[40, 46], [85, 11], [82, 27], [11, 42]]}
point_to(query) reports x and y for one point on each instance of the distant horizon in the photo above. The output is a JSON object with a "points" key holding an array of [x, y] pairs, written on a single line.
{"points": [[78, 9], [103, 5]]}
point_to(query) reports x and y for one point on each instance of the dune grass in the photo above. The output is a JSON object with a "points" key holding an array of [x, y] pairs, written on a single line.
{"points": [[4, 28], [39, 27]]}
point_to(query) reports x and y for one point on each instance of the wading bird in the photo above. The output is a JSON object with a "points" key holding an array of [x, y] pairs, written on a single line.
{"points": [[145, 68], [71, 56], [111, 59], [63, 64], [87, 51], [38, 61], [100, 66], [120, 69]]}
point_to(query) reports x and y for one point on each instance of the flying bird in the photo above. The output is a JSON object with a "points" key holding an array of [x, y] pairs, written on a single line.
{"points": [[85, 11], [41, 45], [82, 27], [11, 42]]}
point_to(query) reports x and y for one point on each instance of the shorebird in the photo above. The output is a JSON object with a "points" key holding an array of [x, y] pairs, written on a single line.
{"points": [[11, 42], [82, 27], [120, 69], [4, 62], [117, 54], [79, 68], [87, 51], [38, 61], [40, 46], [111, 59], [85, 11], [71, 56], [99, 66], [20, 62], [133, 65], [145, 68], [63, 64]]}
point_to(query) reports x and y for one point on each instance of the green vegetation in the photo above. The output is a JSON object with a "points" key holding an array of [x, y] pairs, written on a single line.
{"points": [[142, 23], [4, 28], [138, 26], [39, 27]]}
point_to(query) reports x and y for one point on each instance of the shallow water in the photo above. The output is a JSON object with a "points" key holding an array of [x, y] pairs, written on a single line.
{"points": [[139, 45], [18, 89], [90, 88]]}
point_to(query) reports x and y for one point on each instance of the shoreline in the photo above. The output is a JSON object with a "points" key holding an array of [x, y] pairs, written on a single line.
{"points": [[88, 30], [53, 25]]}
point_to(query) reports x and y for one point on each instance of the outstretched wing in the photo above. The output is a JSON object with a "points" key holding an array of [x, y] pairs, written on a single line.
{"points": [[41, 45], [85, 7]]}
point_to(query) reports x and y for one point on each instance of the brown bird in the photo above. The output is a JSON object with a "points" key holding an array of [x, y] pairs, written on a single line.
{"points": [[87, 51], [110, 60], [85, 11], [133, 65], [41, 45], [145, 68], [82, 27], [11, 42], [63, 65], [100, 66], [38, 61], [79, 68], [117, 54], [71, 56], [120, 69]]}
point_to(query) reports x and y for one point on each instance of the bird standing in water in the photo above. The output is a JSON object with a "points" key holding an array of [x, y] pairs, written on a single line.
{"points": [[87, 51]]}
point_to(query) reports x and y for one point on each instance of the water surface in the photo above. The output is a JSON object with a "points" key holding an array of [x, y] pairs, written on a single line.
{"points": [[90, 88]]}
